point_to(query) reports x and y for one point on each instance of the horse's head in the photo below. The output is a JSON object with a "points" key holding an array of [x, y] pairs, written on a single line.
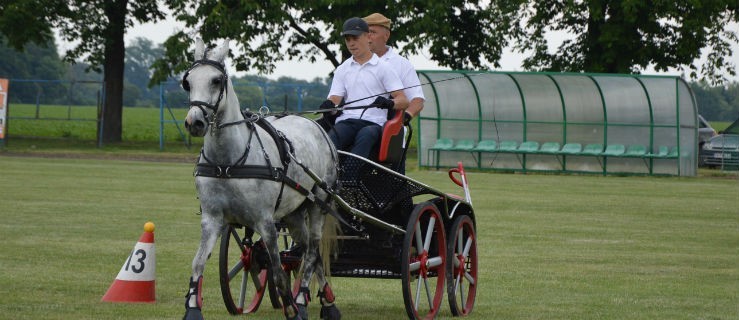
{"points": [[207, 84]]}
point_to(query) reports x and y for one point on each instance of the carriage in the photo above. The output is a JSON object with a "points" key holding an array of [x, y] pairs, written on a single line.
{"points": [[384, 234], [259, 177]]}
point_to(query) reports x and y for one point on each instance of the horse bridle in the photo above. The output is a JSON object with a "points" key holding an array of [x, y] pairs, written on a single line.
{"points": [[201, 104]]}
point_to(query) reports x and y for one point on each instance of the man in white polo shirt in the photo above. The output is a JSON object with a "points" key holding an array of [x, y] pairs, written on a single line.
{"points": [[379, 34], [363, 75]]}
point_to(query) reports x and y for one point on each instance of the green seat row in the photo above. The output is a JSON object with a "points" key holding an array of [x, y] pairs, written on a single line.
{"points": [[553, 148]]}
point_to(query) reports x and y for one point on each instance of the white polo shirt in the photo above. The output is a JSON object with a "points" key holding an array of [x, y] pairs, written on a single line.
{"points": [[356, 81], [406, 72]]}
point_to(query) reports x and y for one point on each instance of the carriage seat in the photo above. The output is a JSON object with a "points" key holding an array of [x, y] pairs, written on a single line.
{"points": [[391, 150]]}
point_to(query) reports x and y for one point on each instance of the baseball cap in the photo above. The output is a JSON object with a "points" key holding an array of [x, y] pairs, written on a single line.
{"points": [[377, 19], [355, 26]]}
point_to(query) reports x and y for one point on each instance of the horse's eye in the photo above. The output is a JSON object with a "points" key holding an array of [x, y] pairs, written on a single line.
{"points": [[216, 82]]}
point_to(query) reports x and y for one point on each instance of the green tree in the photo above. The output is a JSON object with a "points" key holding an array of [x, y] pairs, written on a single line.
{"points": [[39, 62], [717, 103], [96, 26], [459, 33], [624, 36], [140, 56]]}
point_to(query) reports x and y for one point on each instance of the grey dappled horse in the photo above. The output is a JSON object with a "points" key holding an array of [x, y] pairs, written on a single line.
{"points": [[254, 172]]}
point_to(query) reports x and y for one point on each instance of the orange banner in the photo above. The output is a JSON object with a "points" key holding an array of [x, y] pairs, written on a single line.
{"points": [[3, 106]]}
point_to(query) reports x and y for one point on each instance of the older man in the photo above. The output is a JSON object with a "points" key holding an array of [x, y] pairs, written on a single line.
{"points": [[379, 34]]}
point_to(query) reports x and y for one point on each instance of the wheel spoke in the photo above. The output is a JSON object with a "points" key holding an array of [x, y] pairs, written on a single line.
{"points": [[429, 233], [469, 278], [428, 293], [461, 293], [238, 240], [244, 287], [414, 266], [418, 236], [418, 292], [467, 247], [235, 270], [435, 262]]}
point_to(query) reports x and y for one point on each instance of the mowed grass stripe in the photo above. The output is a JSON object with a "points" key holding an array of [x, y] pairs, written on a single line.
{"points": [[551, 247]]}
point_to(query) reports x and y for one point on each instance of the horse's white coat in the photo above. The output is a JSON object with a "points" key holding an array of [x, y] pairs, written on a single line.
{"points": [[251, 202]]}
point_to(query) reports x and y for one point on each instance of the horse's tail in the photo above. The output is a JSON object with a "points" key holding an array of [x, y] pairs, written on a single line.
{"points": [[329, 247]]}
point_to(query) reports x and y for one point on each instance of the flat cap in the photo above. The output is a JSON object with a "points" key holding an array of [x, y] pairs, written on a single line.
{"points": [[378, 19]]}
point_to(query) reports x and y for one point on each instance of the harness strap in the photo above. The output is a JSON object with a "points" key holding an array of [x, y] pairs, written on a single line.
{"points": [[238, 171]]}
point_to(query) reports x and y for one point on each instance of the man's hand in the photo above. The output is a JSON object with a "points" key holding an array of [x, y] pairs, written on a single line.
{"points": [[328, 104], [382, 103], [407, 117]]}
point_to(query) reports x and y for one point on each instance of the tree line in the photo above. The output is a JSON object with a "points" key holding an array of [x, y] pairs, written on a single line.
{"points": [[611, 36], [43, 63], [715, 102]]}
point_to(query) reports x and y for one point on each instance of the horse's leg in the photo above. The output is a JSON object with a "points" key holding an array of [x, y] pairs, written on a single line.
{"points": [[268, 231], [211, 227], [316, 220], [296, 223]]}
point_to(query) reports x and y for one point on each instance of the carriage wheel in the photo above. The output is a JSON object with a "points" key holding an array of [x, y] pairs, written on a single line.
{"points": [[423, 264], [243, 277], [462, 266]]}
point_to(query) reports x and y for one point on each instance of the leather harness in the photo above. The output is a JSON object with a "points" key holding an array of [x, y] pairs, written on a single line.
{"points": [[240, 170]]}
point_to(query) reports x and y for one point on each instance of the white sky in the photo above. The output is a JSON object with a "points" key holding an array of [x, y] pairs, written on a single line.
{"points": [[158, 32]]}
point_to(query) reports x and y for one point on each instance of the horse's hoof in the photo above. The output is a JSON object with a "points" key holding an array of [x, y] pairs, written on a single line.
{"points": [[296, 317], [303, 311], [330, 313], [193, 314]]}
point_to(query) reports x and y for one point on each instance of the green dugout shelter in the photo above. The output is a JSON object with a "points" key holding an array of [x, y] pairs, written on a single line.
{"points": [[558, 122]]}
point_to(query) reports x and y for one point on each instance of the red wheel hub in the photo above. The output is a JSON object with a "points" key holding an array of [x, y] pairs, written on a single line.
{"points": [[246, 258], [423, 259], [460, 269]]}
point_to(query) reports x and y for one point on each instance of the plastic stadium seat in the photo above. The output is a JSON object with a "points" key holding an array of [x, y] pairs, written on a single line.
{"points": [[443, 144], [486, 146], [614, 150], [528, 147], [594, 149], [508, 146], [636, 151], [571, 148], [663, 151], [464, 145], [673, 153], [549, 147]]}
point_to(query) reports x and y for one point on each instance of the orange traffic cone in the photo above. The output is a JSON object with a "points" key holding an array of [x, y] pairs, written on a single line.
{"points": [[136, 280]]}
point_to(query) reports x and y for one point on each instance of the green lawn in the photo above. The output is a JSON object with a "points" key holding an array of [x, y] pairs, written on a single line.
{"points": [[140, 130], [551, 247], [51, 131]]}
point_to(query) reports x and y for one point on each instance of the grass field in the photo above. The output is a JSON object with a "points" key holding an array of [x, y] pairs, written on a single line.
{"points": [[551, 247], [140, 130]]}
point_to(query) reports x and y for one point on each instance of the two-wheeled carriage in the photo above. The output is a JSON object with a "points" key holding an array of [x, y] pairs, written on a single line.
{"points": [[391, 227]]}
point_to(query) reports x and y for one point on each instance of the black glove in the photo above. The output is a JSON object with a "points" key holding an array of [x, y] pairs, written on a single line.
{"points": [[382, 103], [407, 117], [328, 104]]}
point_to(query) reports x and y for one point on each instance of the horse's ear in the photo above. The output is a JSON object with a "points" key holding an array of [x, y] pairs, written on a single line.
{"points": [[199, 49], [221, 52]]}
